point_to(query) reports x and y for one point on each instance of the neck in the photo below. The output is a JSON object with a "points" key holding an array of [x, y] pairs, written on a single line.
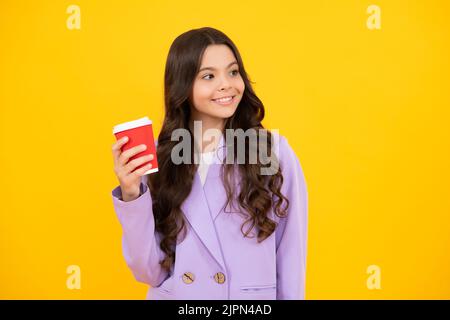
{"points": [[211, 131]]}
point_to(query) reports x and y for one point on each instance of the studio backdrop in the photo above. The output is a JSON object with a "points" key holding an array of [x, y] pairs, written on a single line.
{"points": [[359, 88]]}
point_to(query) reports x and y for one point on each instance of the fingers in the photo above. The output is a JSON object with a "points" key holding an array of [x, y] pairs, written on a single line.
{"points": [[137, 162], [139, 172], [126, 155], [116, 148]]}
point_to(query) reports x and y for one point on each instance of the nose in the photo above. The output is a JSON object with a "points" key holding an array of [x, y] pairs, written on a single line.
{"points": [[225, 84]]}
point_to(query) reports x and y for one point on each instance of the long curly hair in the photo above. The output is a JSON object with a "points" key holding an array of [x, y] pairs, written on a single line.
{"points": [[172, 184]]}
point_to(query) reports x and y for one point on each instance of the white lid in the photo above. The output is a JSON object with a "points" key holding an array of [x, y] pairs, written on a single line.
{"points": [[132, 124]]}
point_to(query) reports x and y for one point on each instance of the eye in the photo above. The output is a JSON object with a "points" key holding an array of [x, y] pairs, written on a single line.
{"points": [[206, 75]]}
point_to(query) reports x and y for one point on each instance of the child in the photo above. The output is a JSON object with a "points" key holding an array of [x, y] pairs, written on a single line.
{"points": [[183, 227]]}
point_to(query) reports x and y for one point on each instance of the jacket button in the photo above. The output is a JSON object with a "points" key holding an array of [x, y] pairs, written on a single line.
{"points": [[188, 277], [219, 277]]}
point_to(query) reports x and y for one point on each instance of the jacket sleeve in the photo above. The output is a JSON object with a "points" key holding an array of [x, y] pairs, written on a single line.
{"points": [[140, 242], [292, 231]]}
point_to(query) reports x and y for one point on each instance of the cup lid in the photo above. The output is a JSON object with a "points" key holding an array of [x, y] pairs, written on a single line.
{"points": [[132, 124]]}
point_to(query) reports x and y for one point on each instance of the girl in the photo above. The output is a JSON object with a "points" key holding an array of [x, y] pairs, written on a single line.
{"points": [[183, 227]]}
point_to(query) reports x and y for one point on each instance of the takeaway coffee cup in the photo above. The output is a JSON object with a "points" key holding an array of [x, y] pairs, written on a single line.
{"points": [[138, 131]]}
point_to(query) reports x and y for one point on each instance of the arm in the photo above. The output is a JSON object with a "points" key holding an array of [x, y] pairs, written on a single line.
{"points": [[139, 242], [291, 233]]}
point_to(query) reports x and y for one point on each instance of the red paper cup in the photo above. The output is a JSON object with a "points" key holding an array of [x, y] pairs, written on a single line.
{"points": [[138, 131]]}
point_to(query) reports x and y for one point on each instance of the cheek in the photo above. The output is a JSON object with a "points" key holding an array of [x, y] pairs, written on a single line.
{"points": [[240, 85], [202, 94]]}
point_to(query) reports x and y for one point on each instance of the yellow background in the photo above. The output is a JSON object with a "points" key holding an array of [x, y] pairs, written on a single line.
{"points": [[367, 112]]}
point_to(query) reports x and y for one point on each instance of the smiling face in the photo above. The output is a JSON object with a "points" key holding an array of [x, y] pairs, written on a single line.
{"points": [[218, 86]]}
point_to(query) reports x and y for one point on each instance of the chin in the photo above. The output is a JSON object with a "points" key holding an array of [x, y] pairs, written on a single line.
{"points": [[219, 112], [225, 114]]}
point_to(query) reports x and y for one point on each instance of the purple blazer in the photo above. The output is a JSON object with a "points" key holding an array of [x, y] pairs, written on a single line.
{"points": [[215, 260]]}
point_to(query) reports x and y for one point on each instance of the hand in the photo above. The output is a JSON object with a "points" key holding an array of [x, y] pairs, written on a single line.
{"points": [[130, 181]]}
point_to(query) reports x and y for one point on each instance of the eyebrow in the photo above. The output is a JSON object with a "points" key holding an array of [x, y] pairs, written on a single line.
{"points": [[211, 68]]}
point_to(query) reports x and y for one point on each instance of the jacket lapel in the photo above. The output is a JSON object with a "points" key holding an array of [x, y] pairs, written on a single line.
{"points": [[205, 203], [197, 212], [214, 189]]}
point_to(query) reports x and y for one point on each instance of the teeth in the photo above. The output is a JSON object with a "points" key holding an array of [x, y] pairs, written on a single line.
{"points": [[224, 99]]}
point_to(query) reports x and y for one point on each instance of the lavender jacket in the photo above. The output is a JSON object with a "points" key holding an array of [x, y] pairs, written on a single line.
{"points": [[215, 260]]}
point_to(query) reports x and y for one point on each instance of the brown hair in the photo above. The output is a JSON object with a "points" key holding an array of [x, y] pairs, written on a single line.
{"points": [[172, 184]]}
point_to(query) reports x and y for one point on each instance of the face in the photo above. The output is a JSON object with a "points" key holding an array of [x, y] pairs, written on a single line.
{"points": [[218, 86]]}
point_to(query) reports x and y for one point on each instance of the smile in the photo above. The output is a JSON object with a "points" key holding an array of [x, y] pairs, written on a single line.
{"points": [[224, 101]]}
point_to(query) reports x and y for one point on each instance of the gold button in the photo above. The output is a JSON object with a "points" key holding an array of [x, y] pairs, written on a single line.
{"points": [[219, 277], [188, 277]]}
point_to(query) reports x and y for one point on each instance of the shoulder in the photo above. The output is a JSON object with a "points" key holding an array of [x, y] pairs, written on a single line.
{"points": [[288, 158], [283, 150]]}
